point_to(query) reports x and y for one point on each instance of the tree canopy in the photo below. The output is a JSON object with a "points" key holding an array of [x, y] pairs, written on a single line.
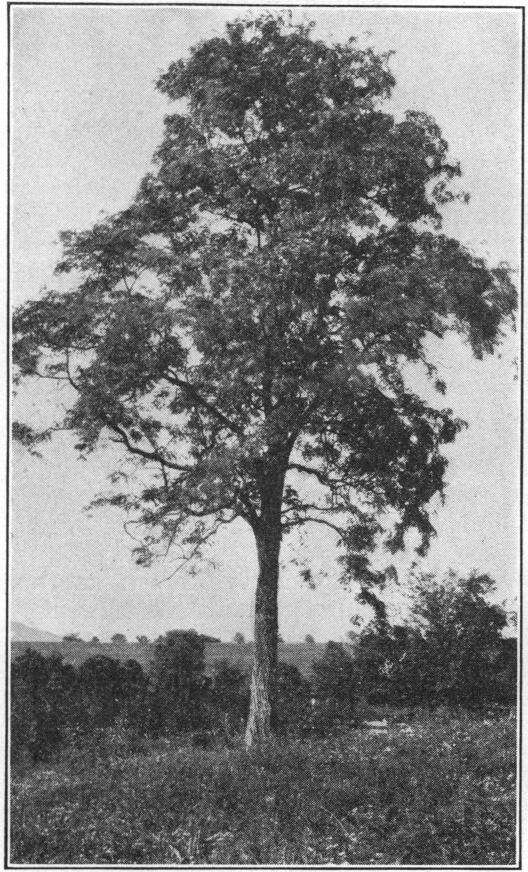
{"points": [[242, 330]]}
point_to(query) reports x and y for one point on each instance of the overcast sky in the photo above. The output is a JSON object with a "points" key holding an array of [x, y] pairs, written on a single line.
{"points": [[85, 121]]}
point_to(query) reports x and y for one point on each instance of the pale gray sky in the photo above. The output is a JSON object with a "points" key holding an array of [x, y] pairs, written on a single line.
{"points": [[85, 120]]}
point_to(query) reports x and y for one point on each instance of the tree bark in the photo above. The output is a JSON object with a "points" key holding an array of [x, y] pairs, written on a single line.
{"points": [[261, 719]]}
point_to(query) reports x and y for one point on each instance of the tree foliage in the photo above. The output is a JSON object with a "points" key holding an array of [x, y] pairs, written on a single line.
{"points": [[107, 690], [451, 649], [42, 691], [335, 685], [461, 632], [118, 639], [178, 681], [229, 696], [293, 695]]}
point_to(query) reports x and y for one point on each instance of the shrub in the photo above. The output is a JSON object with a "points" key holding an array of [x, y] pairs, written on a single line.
{"points": [[178, 682], [134, 695], [383, 665], [229, 696], [108, 690], [98, 682], [293, 699], [334, 685], [42, 691], [460, 642]]}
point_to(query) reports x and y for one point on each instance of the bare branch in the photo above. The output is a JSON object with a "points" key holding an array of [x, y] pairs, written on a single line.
{"points": [[309, 519], [308, 470]]}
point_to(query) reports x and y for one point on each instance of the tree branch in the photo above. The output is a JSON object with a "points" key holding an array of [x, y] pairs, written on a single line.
{"points": [[148, 455], [191, 390], [308, 470], [309, 519]]}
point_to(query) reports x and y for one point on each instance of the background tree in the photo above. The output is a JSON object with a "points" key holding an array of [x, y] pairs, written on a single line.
{"points": [[244, 329], [460, 655], [309, 639], [450, 650], [134, 696], [71, 637], [118, 639], [239, 639], [178, 681], [143, 640]]}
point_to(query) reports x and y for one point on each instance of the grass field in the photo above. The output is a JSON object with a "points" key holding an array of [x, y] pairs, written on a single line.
{"points": [[441, 791]]}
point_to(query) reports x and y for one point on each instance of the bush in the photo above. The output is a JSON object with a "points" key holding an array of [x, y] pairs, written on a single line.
{"points": [[293, 699], [98, 682], [456, 656], [134, 695], [384, 665], [229, 697], [178, 683], [42, 694], [334, 686], [109, 690]]}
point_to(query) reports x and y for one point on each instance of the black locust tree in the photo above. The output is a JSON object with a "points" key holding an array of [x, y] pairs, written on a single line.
{"points": [[243, 330]]}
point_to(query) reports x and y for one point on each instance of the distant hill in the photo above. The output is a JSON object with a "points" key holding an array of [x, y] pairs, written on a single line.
{"points": [[299, 654], [24, 633]]}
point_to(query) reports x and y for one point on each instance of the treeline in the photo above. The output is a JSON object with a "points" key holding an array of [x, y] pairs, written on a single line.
{"points": [[450, 651]]}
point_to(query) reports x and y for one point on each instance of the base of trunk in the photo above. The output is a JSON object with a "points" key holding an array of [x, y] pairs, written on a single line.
{"points": [[259, 723], [261, 719]]}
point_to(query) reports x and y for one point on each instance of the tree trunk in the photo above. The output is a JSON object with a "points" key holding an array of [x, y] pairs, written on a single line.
{"points": [[261, 719]]}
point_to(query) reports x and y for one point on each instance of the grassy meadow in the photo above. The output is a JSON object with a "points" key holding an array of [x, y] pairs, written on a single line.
{"points": [[439, 790]]}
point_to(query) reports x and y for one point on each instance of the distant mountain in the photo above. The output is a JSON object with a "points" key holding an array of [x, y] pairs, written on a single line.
{"points": [[23, 633]]}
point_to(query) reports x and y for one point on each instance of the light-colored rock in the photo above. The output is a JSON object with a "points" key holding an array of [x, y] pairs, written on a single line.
{"points": [[376, 725]]}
